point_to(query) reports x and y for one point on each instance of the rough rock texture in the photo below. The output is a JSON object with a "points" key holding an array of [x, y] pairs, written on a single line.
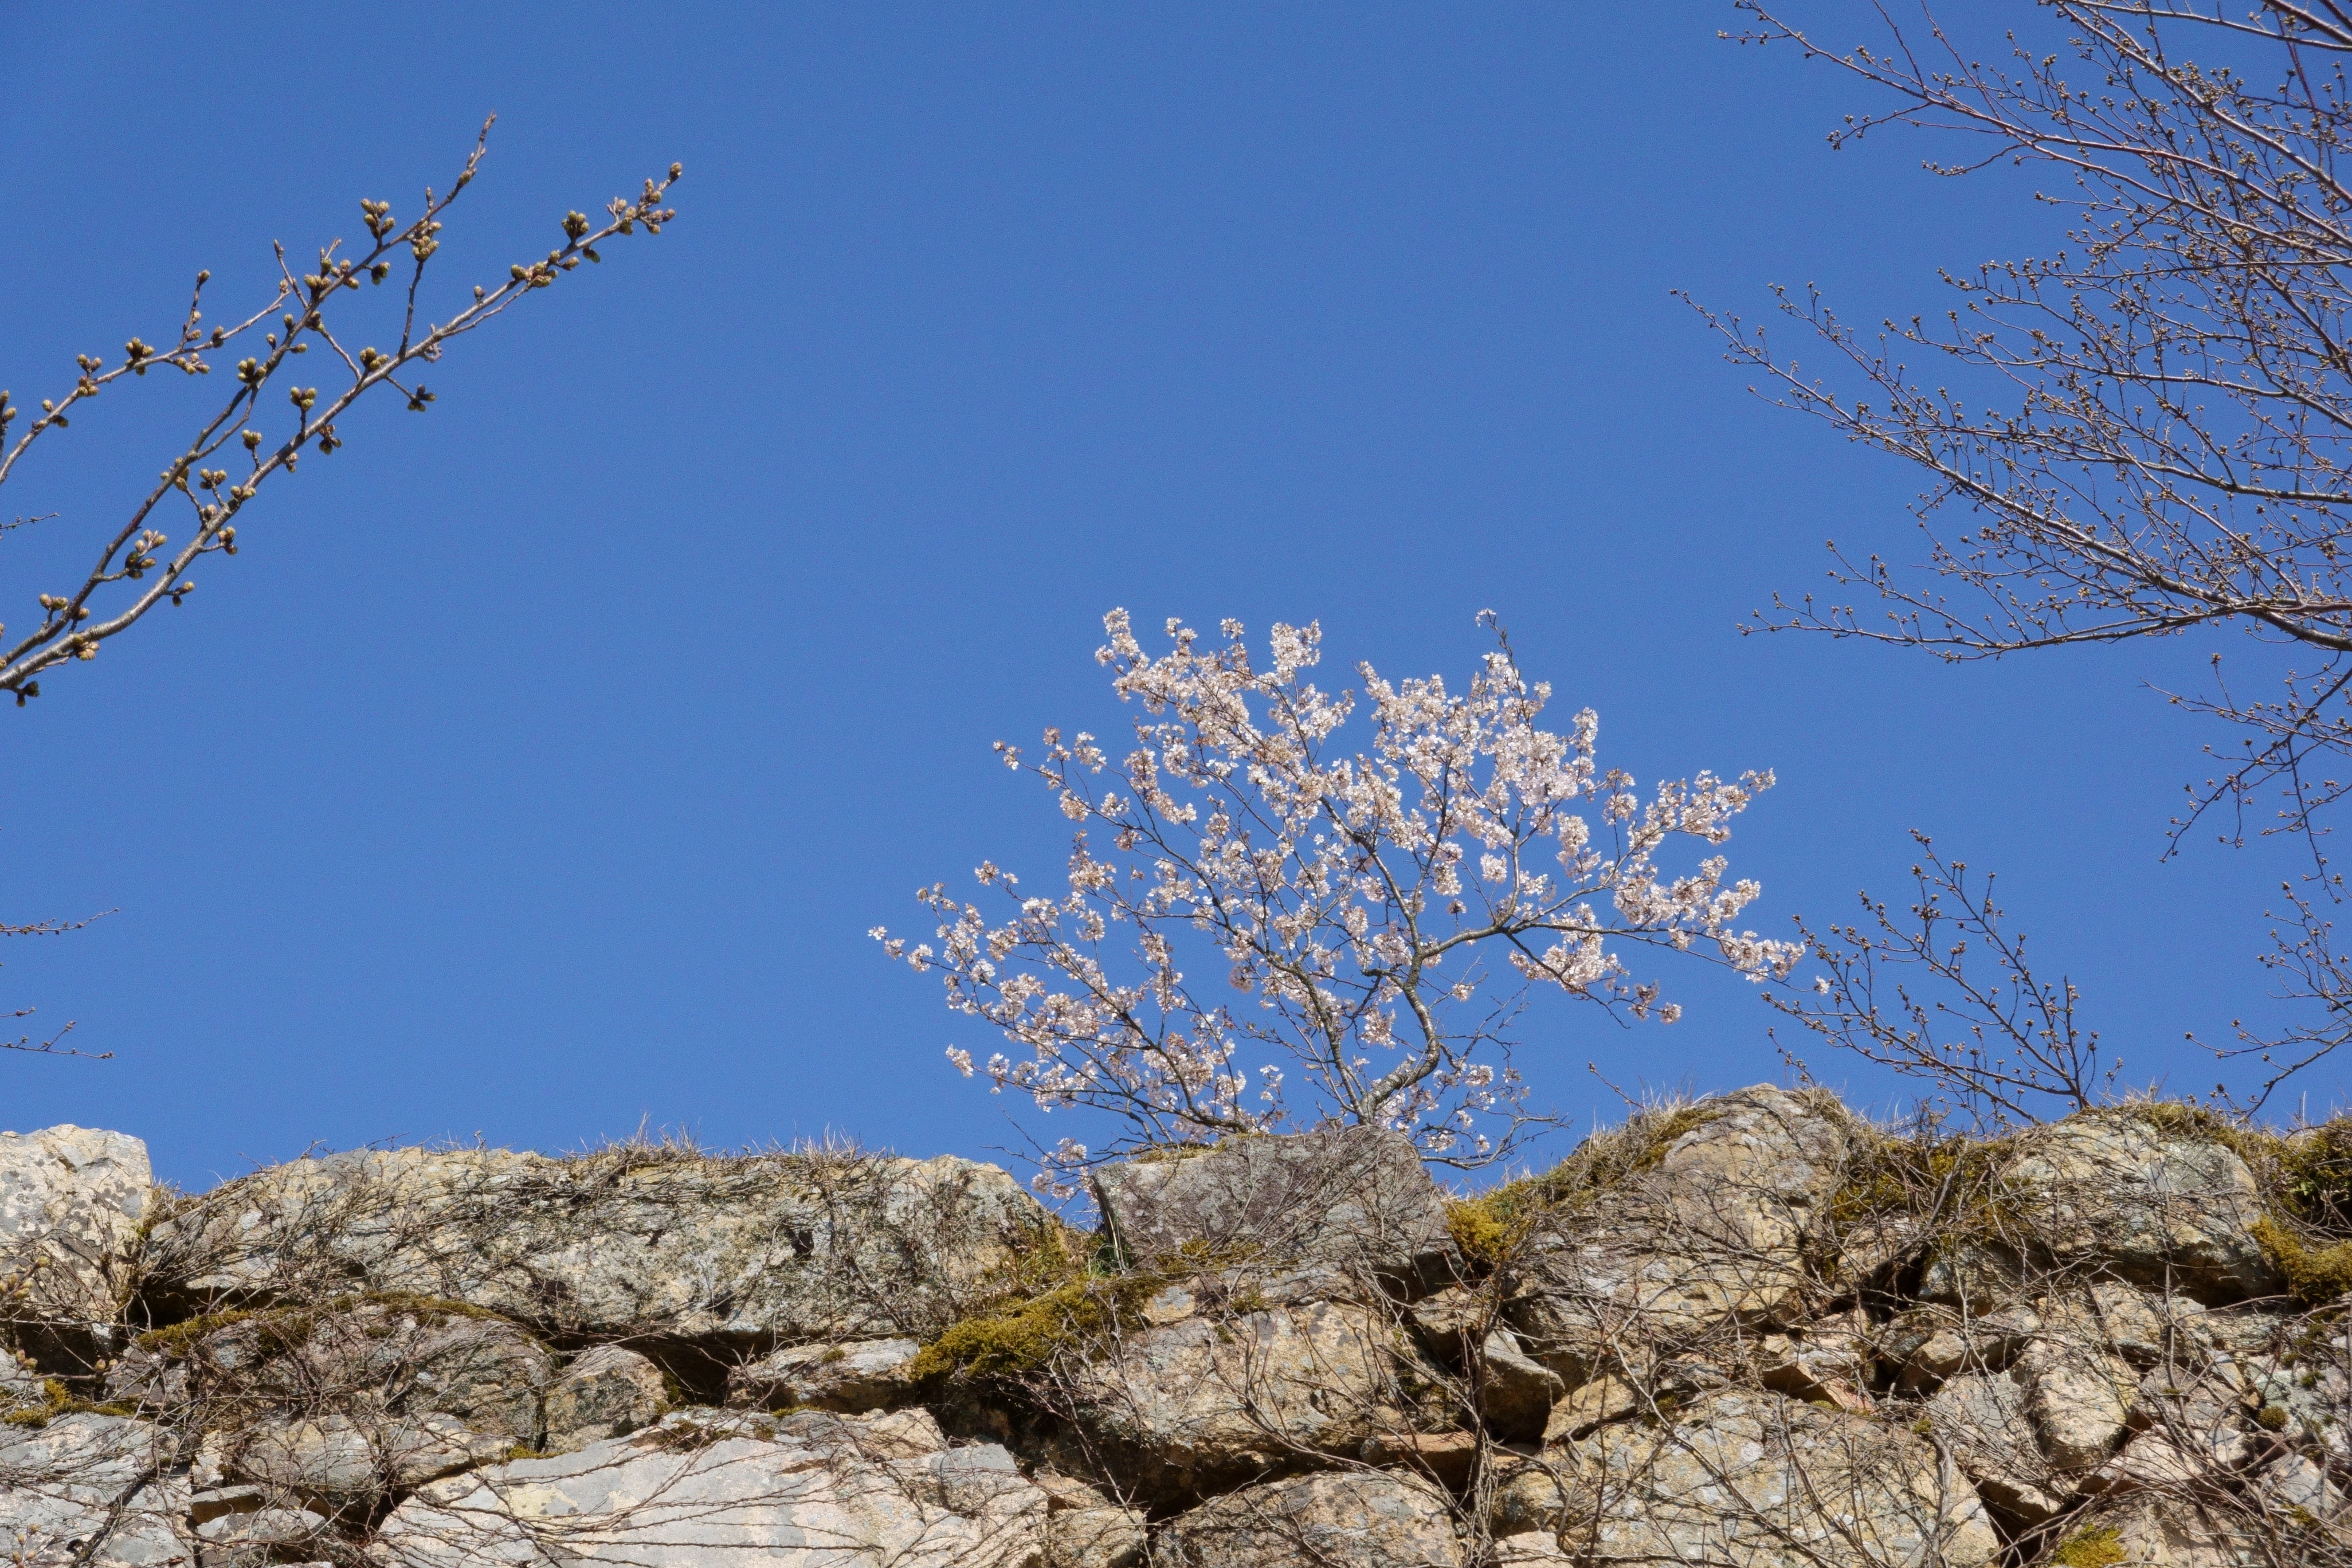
{"points": [[374, 1362], [1356, 1198], [608, 1391], [679, 1497], [1749, 1480], [2165, 1532], [628, 1243], [1347, 1521], [864, 1374], [1514, 1392], [1213, 1399], [347, 1459], [1086, 1529], [2155, 1208], [91, 1489], [1984, 1419], [1714, 1230], [1096, 1538], [71, 1200]]}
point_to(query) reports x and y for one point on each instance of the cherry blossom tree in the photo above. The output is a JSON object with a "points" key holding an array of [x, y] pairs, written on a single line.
{"points": [[1371, 922]]}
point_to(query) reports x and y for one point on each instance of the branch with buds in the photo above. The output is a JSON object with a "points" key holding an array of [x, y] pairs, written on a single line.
{"points": [[137, 567], [2146, 434]]}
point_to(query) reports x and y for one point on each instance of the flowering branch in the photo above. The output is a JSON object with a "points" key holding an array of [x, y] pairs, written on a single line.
{"points": [[1350, 901]]}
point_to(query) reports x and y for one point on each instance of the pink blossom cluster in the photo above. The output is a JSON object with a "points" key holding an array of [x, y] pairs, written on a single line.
{"points": [[1375, 919]]}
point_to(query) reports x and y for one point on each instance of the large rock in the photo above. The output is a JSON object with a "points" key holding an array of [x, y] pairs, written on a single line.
{"points": [[1354, 1199], [1987, 1422], [1350, 1520], [2082, 1398], [703, 1490], [1710, 1231], [2166, 1209], [1511, 1393], [71, 1201], [348, 1459], [1742, 1479], [91, 1492], [626, 1243], [1086, 1529], [1217, 1398], [375, 1362]]}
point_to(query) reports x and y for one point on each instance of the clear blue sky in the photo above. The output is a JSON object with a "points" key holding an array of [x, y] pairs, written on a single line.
{"points": [[539, 764]]}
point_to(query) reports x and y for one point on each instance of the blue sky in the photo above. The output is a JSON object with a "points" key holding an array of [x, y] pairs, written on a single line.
{"points": [[536, 769]]}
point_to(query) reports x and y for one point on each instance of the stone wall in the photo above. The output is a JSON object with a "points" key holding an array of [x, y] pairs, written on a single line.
{"points": [[1751, 1330]]}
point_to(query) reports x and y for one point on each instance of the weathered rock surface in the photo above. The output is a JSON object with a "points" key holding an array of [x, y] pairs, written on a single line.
{"points": [[95, 1490], [1826, 1361], [352, 1460], [1213, 1399], [1986, 1420], [2082, 1396], [1086, 1529], [1749, 1480], [1513, 1393], [623, 1244], [374, 1362], [1345, 1200], [720, 1493], [71, 1200], [1096, 1538], [1712, 1230], [2153, 1531], [1107, 1538], [607, 1392], [863, 1374], [1346, 1521], [2160, 1209]]}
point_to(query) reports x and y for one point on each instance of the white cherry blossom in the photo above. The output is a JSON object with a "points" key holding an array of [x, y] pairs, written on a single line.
{"points": [[1243, 887]]}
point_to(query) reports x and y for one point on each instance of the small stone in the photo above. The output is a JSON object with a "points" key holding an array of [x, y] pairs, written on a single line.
{"points": [[863, 1374], [608, 1391], [1095, 1538]]}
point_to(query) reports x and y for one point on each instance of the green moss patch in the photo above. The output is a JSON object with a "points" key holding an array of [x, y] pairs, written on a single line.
{"points": [[2100, 1547], [1491, 1226], [2316, 1276], [57, 1400], [1029, 1336]]}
